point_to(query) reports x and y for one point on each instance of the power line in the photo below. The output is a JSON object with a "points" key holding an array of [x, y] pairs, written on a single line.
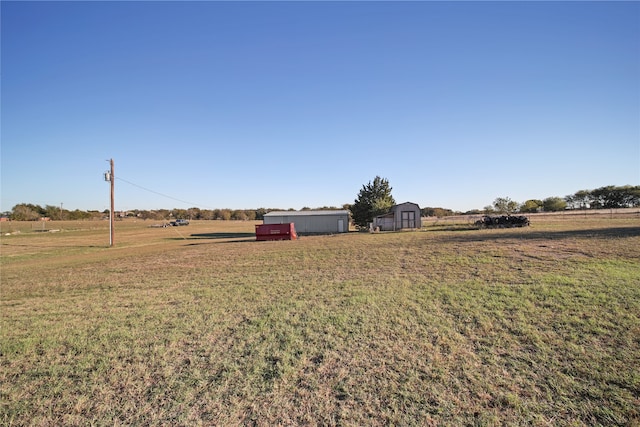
{"points": [[162, 194]]}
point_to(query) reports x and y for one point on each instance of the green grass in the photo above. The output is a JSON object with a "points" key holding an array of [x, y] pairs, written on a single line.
{"points": [[536, 326]]}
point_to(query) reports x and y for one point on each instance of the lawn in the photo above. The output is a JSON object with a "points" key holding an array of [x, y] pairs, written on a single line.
{"points": [[201, 325]]}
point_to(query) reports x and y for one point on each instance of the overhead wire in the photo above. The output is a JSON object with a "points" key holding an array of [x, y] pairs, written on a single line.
{"points": [[162, 194]]}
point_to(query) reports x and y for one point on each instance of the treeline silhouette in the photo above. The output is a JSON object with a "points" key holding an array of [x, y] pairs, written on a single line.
{"points": [[33, 212], [608, 197]]}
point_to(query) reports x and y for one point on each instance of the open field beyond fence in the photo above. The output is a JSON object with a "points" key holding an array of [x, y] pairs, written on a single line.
{"points": [[201, 325], [540, 217]]}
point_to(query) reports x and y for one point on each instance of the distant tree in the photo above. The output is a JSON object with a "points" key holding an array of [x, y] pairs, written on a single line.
{"points": [[583, 198], [554, 204], [194, 213], [76, 215], [238, 215], [26, 212], [599, 198], [145, 214], [580, 200], [162, 214], [505, 205], [259, 214], [94, 214], [207, 214], [532, 205], [611, 197], [180, 213], [373, 199], [633, 198], [52, 212]]}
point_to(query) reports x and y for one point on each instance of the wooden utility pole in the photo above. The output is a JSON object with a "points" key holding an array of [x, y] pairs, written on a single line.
{"points": [[108, 176], [112, 213]]}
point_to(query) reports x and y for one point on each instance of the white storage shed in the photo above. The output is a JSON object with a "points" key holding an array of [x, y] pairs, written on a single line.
{"points": [[312, 222]]}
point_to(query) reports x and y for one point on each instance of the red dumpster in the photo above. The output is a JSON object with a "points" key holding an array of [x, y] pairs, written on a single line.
{"points": [[285, 231]]}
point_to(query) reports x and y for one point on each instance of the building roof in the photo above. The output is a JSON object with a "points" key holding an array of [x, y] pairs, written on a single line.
{"points": [[307, 213], [395, 207]]}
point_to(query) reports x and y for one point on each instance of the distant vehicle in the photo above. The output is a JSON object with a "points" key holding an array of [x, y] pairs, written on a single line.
{"points": [[178, 222]]}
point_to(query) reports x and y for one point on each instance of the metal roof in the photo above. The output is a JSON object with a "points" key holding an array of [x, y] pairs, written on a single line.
{"points": [[306, 213]]}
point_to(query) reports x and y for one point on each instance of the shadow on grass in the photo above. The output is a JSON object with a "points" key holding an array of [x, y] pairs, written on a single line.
{"points": [[221, 235], [445, 227], [70, 245], [224, 237]]}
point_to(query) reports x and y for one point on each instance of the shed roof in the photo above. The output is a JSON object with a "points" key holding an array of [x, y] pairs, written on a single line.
{"points": [[307, 213], [394, 207]]}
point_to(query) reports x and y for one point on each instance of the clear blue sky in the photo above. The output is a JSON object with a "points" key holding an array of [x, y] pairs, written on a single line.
{"points": [[292, 104]]}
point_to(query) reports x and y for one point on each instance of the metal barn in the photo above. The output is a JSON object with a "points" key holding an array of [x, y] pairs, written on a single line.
{"points": [[403, 216], [312, 222]]}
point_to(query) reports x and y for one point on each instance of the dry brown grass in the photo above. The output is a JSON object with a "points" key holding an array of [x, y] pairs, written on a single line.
{"points": [[450, 326]]}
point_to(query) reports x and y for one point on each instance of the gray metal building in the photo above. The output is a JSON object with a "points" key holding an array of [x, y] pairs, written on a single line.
{"points": [[312, 222]]}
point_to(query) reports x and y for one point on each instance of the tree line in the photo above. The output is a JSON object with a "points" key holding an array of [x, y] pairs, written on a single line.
{"points": [[33, 212], [609, 197], [373, 199]]}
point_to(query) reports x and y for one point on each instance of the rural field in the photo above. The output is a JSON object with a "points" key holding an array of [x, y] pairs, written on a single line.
{"points": [[202, 325]]}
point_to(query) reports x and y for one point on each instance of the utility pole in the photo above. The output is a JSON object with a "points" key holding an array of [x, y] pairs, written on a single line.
{"points": [[109, 176], [112, 213]]}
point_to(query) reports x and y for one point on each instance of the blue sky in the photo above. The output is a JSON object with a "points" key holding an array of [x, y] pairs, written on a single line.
{"points": [[291, 104]]}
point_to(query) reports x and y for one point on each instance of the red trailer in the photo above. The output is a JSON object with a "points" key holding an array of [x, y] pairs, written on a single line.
{"points": [[285, 231]]}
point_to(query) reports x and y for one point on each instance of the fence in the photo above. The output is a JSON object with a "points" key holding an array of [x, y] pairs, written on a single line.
{"points": [[563, 215]]}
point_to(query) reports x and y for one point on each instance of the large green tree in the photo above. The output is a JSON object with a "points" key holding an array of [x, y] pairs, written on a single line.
{"points": [[373, 199]]}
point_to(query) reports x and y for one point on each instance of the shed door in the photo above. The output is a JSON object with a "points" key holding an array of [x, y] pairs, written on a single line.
{"points": [[341, 226], [408, 219]]}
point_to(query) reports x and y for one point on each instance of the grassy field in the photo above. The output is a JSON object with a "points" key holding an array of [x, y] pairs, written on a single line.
{"points": [[201, 325]]}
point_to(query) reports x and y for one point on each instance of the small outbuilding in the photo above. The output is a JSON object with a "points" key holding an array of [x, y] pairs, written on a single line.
{"points": [[403, 216], [312, 222]]}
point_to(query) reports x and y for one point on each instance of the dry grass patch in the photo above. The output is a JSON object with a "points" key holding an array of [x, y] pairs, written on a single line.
{"points": [[530, 326]]}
